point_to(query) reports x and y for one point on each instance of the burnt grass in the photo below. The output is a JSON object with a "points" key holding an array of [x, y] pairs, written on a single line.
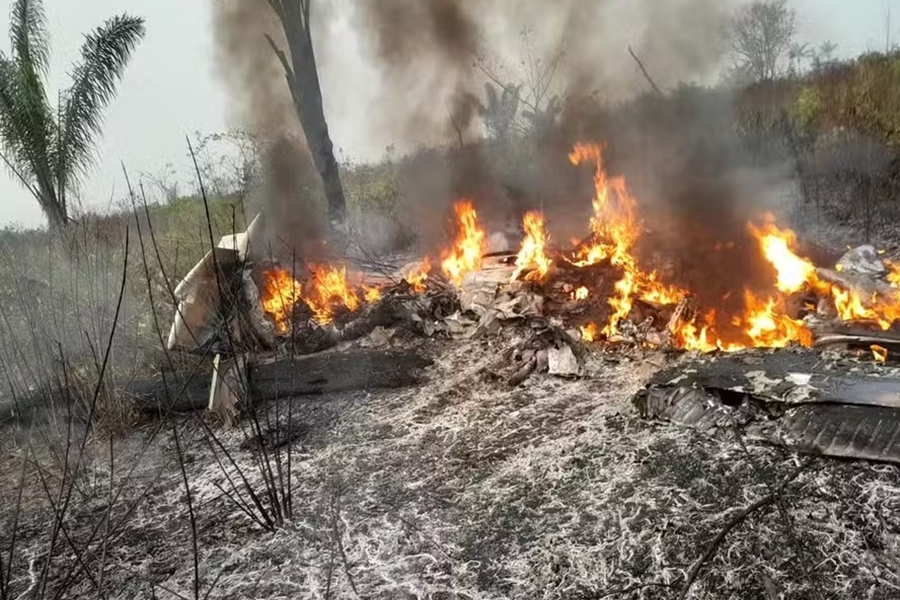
{"points": [[464, 488]]}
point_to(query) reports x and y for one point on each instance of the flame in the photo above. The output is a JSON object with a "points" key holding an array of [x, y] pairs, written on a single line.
{"points": [[329, 292], [417, 277], [589, 332], [280, 292], [615, 228], [850, 306], [880, 353], [696, 339], [326, 291], [533, 254], [767, 325], [469, 247], [893, 275], [614, 223], [793, 272], [371, 294]]}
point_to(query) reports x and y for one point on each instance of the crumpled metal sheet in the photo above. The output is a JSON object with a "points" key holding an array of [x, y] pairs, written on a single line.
{"points": [[684, 405], [833, 412], [790, 377], [843, 431]]}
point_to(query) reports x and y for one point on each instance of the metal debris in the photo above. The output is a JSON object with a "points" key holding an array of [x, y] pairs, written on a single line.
{"points": [[562, 362], [793, 399]]}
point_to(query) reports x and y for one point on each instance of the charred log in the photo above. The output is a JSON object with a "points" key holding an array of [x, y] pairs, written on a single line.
{"points": [[285, 378]]}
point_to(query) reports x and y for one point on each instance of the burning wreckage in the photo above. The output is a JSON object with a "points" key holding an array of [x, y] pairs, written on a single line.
{"points": [[802, 361]]}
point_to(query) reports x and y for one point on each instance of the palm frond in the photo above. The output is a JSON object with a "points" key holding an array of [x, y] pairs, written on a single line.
{"points": [[26, 129], [11, 135], [26, 94], [104, 55], [28, 35]]}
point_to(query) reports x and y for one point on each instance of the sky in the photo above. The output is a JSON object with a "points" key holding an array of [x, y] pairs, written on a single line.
{"points": [[171, 88]]}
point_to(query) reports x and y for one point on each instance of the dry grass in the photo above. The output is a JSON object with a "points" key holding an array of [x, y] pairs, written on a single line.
{"points": [[463, 488]]}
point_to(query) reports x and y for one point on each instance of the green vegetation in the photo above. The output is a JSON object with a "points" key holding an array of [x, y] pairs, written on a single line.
{"points": [[48, 148]]}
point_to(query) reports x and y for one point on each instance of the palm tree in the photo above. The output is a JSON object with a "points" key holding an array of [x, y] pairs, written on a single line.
{"points": [[49, 149]]}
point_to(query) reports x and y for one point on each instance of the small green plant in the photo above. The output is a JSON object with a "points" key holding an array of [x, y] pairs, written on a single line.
{"points": [[807, 107]]}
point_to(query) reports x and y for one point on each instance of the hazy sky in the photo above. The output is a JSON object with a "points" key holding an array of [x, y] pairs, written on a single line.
{"points": [[171, 88]]}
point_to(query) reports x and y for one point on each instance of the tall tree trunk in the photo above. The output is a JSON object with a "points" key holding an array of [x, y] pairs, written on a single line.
{"points": [[303, 80], [53, 209]]}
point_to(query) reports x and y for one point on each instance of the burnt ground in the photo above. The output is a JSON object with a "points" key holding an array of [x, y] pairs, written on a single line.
{"points": [[465, 488]]}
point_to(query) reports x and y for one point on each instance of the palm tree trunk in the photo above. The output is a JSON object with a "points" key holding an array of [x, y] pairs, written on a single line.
{"points": [[312, 119], [57, 218], [303, 79]]}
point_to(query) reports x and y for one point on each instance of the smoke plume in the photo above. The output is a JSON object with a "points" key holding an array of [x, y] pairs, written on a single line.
{"points": [[262, 104], [430, 52]]}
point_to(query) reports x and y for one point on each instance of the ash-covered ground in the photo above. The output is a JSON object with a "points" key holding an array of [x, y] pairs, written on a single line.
{"points": [[464, 488]]}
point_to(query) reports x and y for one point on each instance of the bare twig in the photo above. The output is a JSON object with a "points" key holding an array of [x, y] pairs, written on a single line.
{"points": [[644, 71], [739, 518], [456, 127], [190, 505], [633, 588]]}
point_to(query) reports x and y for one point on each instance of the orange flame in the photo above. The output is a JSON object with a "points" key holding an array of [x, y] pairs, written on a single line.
{"points": [[329, 292], [696, 339], [880, 353], [615, 229], [280, 292], [768, 327], [893, 275], [589, 332], [417, 277], [371, 294], [470, 245], [793, 272], [850, 306], [533, 254]]}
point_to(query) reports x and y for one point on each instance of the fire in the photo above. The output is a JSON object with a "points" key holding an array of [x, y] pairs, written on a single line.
{"points": [[280, 292], [329, 292], [417, 277], [768, 327], [614, 223], [893, 275], [326, 292], [615, 229], [879, 353], [850, 306], [764, 320], [696, 339], [793, 272], [371, 294], [533, 254], [469, 247]]}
